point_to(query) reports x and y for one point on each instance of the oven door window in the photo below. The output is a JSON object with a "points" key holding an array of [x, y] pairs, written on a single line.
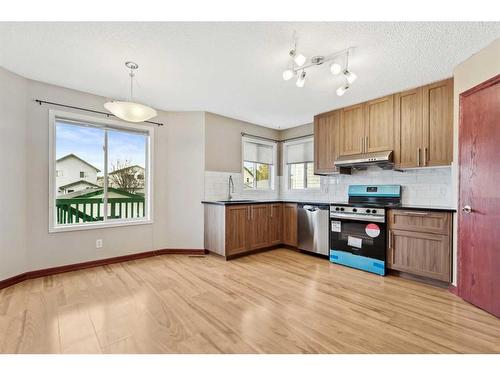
{"points": [[359, 238]]}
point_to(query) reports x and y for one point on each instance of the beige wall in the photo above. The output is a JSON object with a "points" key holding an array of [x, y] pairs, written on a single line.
{"points": [[297, 131], [478, 68], [178, 185], [223, 141], [13, 180]]}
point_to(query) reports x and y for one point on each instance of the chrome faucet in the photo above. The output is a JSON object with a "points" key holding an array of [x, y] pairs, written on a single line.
{"points": [[230, 188]]}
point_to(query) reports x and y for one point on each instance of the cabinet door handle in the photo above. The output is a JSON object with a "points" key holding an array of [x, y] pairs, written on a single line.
{"points": [[362, 144], [248, 213], [418, 156], [416, 213], [390, 242], [252, 211], [366, 144], [425, 156], [271, 210]]}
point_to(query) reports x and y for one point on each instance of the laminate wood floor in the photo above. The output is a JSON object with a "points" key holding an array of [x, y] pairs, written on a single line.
{"points": [[279, 301]]}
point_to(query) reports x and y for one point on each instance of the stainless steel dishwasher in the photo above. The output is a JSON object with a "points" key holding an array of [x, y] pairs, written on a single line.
{"points": [[313, 228]]}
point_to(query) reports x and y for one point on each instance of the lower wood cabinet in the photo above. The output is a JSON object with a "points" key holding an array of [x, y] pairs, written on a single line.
{"points": [[419, 243], [275, 223], [290, 224], [258, 226], [235, 229]]}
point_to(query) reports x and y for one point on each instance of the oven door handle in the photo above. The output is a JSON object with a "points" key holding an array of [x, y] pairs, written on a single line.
{"points": [[378, 219]]}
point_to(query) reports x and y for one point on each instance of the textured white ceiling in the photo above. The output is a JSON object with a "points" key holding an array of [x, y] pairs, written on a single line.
{"points": [[234, 68]]}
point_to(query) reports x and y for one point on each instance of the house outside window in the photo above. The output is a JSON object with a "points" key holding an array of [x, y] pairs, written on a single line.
{"points": [[259, 158], [100, 172], [298, 166]]}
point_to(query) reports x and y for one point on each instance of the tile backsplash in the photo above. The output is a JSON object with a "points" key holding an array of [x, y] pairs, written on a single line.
{"points": [[429, 186]]}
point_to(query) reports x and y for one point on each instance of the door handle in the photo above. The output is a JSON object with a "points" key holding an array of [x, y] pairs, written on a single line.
{"points": [[467, 209]]}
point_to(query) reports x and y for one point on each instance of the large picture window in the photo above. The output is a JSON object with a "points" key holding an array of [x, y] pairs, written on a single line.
{"points": [[299, 165], [100, 172], [258, 164]]}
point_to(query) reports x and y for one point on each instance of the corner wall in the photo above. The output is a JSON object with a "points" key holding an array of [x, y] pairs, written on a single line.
{"points": [[478, 68], [13, 183]]}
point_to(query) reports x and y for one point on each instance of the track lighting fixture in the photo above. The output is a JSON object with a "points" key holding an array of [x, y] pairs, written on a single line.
{"points": [[342, 89], [299, 63], [288, 74], [335, 68], [301, 80]]}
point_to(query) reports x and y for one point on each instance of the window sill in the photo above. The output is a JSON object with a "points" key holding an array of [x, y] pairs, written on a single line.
{"points": [[95, 226]]}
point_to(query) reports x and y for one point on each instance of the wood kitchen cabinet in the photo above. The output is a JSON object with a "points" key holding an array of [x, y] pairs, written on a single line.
{"points": [[419, 243], [233, 230], [258, 226], [379, 124], [416, 124], [408, 128], [290, 224], [352, 135], [424, 126], [437, 122], [236, 229], [367, 127], [275, 224], [326, 142]]}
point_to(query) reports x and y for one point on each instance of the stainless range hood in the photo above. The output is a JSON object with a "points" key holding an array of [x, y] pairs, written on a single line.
{"points": [[382, 159]]}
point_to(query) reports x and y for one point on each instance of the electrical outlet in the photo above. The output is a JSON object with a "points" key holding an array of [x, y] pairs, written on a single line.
{"points": [[98, 244]]}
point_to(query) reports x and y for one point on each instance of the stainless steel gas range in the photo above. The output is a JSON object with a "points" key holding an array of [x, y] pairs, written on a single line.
{"points": [[358, 229]]}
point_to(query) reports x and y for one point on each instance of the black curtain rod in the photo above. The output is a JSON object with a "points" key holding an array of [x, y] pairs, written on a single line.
{"points": [[277, 141], [40, 102]]}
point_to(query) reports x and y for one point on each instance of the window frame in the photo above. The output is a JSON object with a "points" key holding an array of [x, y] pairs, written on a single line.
{"points": [[273, 169], [99, 122], [286, 166]]}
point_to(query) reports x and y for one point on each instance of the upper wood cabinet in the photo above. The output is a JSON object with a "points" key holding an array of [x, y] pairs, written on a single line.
{"points": [[352, 135], [326, 142], [424, 126], [408, 128], [416, 124], [438, 123], [379, 124]]}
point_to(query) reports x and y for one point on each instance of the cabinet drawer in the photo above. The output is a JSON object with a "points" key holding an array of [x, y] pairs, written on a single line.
{"points": [[421, 221]]}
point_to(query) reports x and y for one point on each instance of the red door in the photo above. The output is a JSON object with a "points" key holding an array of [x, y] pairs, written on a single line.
{"points": [[479, 202]]}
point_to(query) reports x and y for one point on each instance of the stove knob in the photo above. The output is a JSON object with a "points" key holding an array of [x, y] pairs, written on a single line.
{"points": [[368, 211], [336, 208], [341, 208], [354, 210], [374, 211]]}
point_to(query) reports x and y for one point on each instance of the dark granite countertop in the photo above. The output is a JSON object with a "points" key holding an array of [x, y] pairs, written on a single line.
{"points": [[400, 207]]}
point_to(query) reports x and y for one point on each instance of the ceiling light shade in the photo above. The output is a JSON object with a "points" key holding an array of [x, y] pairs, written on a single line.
{"points": [[350, 76], [299, 59], [130, 111], [342, 89], [335, 68], [301, 80], [288, 74]]}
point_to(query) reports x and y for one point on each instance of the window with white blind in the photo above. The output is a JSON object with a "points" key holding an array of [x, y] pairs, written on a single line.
{"points": [[259, 158], [298, 157]]}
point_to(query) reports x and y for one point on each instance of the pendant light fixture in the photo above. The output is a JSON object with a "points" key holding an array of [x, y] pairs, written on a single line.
{"points": [[131, 111]]}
